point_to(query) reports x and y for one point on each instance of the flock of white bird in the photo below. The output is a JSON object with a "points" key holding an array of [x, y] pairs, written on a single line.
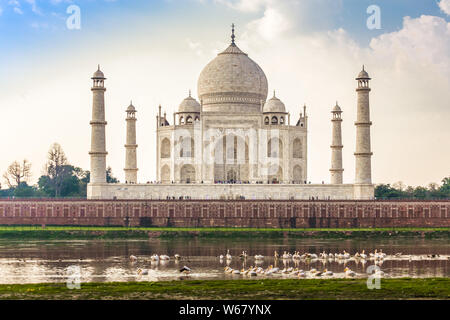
{"points": [[297, 256], [377, 256]]}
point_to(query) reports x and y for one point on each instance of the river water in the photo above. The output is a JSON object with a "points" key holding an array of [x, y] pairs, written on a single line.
{"points": [[99, 261]]}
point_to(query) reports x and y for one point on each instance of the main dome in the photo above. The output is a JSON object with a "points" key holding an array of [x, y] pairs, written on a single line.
{"points": [[232, 82]]}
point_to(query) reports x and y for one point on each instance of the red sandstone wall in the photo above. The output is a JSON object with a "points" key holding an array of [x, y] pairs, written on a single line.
{"points": [[227, 213]]}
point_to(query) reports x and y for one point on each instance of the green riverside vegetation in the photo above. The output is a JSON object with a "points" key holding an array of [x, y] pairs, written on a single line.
{"points": [[311, 289], [81, 233]]}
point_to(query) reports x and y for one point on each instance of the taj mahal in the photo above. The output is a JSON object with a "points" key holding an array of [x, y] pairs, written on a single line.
{"points": [[232, 142]]}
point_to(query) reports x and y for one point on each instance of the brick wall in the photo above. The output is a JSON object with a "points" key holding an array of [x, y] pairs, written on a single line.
{"points": [[226, 213]]}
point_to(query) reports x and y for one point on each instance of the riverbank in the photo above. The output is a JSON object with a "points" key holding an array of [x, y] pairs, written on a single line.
{"points": [[86, 233], [265, 289], [81, 233]]}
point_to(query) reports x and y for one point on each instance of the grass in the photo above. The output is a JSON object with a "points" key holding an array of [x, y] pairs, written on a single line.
{"points": [[82, 232], [265, 289]]}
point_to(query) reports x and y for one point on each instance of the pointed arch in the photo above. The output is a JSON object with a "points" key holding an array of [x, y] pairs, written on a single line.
{"points": [[297, 149], [165, 148]]}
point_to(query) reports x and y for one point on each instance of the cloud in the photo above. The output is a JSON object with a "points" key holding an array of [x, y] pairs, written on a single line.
{"points": [[18, 10], [34, 7], [409, 101], [195, 46], [445, 6], [244, 5]]}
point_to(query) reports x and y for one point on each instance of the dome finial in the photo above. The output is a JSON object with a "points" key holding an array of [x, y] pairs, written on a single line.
{"points": [[274, 94], [232, 34], [189, 93]]}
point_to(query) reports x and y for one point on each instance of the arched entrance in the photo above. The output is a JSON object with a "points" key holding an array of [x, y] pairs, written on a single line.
{"points": [[275, 174], [297, 174], [187, 173], [231, 159]]}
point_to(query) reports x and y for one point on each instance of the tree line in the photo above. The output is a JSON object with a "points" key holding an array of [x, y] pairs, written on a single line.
{"points": [[400, 191], [59, 179]]}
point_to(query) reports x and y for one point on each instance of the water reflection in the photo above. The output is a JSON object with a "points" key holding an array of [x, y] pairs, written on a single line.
{"points": [[47, 261]]}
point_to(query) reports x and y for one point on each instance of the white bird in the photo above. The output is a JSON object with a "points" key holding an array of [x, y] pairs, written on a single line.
{"points": [[276, 255], [363, 255], [243, 255], [346, 255], [133, 258], [142, 271], [327, 272], [164, 257], [154, 257], [185, 270], [259, 257], [349, 272], [271, 270], [228, 269], [228, 256], [177, 256]]}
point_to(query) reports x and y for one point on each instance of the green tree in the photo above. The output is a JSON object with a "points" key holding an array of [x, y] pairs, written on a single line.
{"points": [[23, 190], [445, 188], [420, 193], [109, 176], [385, 191]]}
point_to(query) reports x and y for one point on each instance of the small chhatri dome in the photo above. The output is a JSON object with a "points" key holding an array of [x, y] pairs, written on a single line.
{"points": [[336, 108], [363, 75], [189, 105], [98, 74], [274, 105], [131, 108]]}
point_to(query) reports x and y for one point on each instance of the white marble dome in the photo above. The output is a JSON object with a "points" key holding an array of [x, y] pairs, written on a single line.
{"points": [[274, 105], [189, 105], [232, 82]]}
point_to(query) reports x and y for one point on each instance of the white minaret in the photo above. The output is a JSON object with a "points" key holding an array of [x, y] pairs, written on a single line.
{"points": [[98, 140], [336, 146], [131, 146], [363, 154]]}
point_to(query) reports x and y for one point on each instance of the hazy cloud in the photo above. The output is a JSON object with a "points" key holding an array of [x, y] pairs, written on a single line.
{"points": [[445, 6]]}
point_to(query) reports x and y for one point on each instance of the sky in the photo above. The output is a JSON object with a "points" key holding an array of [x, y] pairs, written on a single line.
{"points": [[152, 52]]}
